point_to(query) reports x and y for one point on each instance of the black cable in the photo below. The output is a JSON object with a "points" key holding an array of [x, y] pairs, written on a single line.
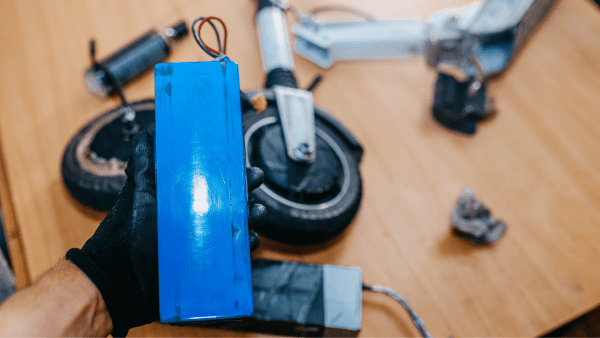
{"points": [[197, 38], [314, 83], [119, 91], [93, 54], [341, 8], [418, 321], [195, 33]]}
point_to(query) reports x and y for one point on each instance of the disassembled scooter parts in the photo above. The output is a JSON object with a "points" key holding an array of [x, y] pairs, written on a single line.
{"points": [[312, 187], [105, 77], [470, 44], [473, 220], [93, 164]]}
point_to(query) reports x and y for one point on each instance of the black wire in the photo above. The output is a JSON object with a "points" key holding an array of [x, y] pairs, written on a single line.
{"points": [[195, 33], [418, 321], [340, 8], [93, 52], [314, 83]]}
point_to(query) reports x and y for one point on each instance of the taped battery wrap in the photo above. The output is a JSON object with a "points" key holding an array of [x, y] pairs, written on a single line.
{"points": [[303, 300], [203, 249]]}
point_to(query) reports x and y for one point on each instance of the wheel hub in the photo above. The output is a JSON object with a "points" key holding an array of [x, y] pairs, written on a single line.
{"points": [[305, 182], [111, 142]]}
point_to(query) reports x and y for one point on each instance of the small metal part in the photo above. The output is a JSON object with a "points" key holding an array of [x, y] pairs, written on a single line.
{"points": [[128, 114], [170, 32], [473, 220], [296, 112], [130, 127], [303, 151]]}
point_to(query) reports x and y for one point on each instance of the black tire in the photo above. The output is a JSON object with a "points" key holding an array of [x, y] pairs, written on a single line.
{"points": [[93, 181], [295, 223]]}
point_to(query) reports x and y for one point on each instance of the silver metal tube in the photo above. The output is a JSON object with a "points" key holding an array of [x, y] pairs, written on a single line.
{"points": [[274, 40], [327, 42]]}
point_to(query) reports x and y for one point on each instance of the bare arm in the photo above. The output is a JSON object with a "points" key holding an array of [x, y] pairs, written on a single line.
{"points": [[63, 302]]}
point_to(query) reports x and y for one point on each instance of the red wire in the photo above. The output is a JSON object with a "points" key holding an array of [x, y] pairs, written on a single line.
{"points": [[224, 37]]}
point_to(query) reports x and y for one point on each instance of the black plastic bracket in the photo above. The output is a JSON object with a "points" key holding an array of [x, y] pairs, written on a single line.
{"points": [[459, 105]]}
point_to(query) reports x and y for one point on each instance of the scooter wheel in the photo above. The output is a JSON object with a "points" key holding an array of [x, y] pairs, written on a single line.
{"points": [[93, 164], [306, 204]]}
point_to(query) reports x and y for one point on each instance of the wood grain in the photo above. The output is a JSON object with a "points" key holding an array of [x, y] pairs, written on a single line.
{"points": [[536, 165]]}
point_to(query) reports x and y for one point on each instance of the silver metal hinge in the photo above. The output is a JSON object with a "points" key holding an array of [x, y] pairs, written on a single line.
{"points": [[296, 112]]}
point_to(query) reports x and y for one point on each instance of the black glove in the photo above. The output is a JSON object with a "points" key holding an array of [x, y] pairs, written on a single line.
{"points": [[121, 258]]}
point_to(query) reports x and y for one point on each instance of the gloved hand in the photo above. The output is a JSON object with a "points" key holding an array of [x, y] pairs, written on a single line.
{"points": [[121, 258]]}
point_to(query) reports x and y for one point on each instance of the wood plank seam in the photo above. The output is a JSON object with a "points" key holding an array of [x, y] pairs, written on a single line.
{"points": [[11, 227]]}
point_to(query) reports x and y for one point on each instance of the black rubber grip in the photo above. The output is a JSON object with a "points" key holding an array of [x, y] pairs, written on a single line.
{"points": [[281, 77], [263, 4], [181, 30]]}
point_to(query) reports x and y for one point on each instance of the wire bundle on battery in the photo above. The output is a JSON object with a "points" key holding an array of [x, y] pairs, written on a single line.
{"points": [[197, 35]]}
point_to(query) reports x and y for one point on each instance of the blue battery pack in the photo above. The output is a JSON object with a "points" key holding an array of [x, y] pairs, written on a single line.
{"points": [[203, 250]]}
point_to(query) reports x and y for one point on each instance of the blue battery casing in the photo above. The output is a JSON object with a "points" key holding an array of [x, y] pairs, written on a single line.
{"points": [[203, 250]]}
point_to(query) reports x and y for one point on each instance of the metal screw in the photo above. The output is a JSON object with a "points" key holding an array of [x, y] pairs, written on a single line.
{"points": [[170, 32], [128, 114], [474, 88], [130, 127], [303, 152]]}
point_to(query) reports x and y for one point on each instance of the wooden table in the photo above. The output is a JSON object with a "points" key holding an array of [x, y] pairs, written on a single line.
{"points": [[536, 165]]}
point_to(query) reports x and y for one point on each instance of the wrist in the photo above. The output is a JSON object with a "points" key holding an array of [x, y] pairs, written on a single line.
{"points": [[93, 315], [62, 302], [105, 278]]}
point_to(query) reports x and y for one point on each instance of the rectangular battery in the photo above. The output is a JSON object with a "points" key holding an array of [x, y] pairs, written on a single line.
{"points": [[203, 250]]}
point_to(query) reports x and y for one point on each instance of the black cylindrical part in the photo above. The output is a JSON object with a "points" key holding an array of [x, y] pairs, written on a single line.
{"points": [[136, 58], [281, 77], [132, 60], [180, 30], [264, 3]]}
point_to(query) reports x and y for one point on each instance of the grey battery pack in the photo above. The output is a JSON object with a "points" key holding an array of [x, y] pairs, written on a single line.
{"points": [[303, 300]]}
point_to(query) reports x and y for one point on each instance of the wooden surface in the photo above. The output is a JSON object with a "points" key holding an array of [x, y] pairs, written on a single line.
{"points": [[536, 165]]}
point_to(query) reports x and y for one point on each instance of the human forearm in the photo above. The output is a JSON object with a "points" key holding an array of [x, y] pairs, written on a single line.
{"points": [[63, 302]]}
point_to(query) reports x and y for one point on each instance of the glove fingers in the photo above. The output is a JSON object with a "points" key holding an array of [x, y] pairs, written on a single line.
{"points": [[143, 157], [144, 233], [256, 216], [255, 177], [254, 240]]}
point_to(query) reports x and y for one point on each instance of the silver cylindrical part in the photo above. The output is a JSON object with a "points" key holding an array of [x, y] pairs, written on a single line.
{"points": [[274, 39]]}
